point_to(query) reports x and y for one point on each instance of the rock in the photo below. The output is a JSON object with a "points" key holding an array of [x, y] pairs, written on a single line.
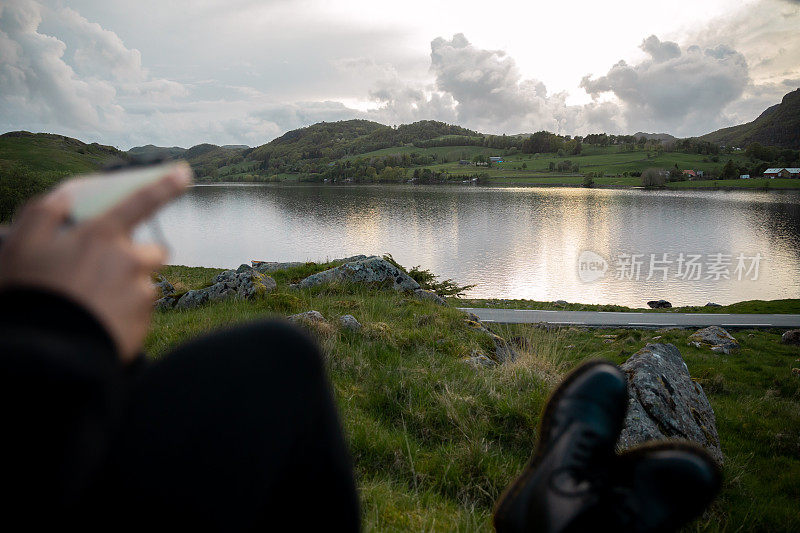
{"points": [[165, 303], [791, 337], [429, 296], [714, 337], [712, 304], [370, 270], [314, 322], [664, 402], [307, 317], [659, 304], [503, 351], [219, 291], [244, 282], [560, 303], [193, 298], [479, 360], [163, 285], [349, 322], [265, 267]]}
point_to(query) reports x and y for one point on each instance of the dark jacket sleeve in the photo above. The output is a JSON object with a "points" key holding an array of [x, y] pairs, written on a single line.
{"points": [[61, 391]]}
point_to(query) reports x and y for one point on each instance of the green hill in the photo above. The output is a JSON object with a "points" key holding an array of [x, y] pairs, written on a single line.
{"points": [[48, 152], [299, 150], [153, 152], [778, 126]]}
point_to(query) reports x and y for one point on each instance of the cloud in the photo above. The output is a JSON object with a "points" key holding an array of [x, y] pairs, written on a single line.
{"points": [[43, 83], [684, 91], [59, 71], [484, 90]]}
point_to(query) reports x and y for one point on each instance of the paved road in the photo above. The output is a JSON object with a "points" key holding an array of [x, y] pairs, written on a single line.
{"points": [[643, 320]]}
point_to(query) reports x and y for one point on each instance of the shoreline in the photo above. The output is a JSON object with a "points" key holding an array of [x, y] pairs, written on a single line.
{"points": [[510, 185]]}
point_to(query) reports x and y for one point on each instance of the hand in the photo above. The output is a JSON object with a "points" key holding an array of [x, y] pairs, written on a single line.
{"points": [[95, 262]]}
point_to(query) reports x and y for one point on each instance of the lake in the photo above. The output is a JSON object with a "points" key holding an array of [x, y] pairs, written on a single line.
{"points": [[580, 245]]}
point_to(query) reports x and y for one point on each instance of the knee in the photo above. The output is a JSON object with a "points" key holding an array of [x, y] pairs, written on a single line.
{"points": [[275, 347]]}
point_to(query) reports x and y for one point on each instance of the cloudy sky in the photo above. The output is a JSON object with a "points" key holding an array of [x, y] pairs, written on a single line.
{"points": [[245, 71]]}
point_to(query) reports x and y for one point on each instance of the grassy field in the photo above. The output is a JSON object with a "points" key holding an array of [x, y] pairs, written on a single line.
{"points": [[435, 441]]}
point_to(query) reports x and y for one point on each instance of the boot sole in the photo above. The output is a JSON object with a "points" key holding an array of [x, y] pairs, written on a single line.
{"points": [[544, 433]]}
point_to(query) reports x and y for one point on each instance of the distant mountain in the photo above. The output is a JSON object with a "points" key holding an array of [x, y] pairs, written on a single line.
{"points": [[235, 146], [663, 137], [49, 152], [778, 126]]}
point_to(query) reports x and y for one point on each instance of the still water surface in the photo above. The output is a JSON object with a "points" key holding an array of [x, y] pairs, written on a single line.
{"points": [[510, 242]]}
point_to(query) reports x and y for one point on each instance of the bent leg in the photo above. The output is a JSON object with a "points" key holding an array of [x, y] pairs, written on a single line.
{"points": [[237, 430]]}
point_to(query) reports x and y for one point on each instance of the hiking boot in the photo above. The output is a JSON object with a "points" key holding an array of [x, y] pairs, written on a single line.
{"points": [[658, 487], [564, 479]]}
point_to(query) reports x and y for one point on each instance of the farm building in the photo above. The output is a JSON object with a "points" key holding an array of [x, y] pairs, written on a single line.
{"points": [[494, 159], [782, 173]]}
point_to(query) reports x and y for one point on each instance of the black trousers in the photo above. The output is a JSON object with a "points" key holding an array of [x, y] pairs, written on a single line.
{"points": [[232, 431]]}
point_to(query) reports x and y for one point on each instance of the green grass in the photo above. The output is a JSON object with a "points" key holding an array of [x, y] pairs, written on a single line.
{"points": [[435, 441], [788, 306]]}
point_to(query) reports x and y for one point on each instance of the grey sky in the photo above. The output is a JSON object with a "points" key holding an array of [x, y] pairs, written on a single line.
{"points": [[240, 71]]}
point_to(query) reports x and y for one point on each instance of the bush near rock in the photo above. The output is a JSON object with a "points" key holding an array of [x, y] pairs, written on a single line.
{"points": [[714, 337], [372, 269], [659, 304], [665, 403], [791, 337]]}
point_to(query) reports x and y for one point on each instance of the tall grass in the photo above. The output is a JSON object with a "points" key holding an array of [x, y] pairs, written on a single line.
{"points": [[435, 441]]}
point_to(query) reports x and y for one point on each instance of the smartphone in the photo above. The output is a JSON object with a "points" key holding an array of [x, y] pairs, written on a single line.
{"points": [[93, 194]]}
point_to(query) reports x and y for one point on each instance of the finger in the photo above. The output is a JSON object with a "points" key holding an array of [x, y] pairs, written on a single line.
{"points": [[142, 204], [150, 257], [42, 216]]}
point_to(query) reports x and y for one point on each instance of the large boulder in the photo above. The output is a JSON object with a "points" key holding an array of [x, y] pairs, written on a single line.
{"points": [[791, 337], [714, 337], [665, 403], [369, 270], [659, 304]]}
